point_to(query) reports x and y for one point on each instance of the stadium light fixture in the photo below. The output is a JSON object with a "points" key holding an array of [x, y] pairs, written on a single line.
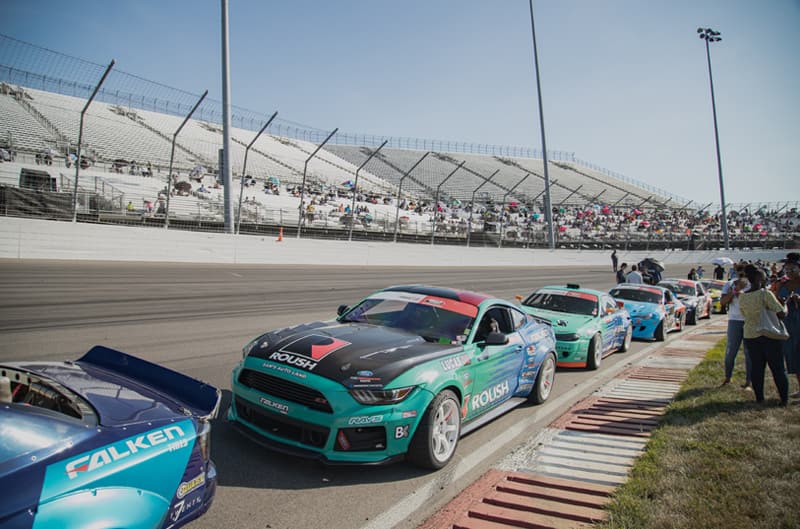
{"points": [[710, 35], [548, 213]]}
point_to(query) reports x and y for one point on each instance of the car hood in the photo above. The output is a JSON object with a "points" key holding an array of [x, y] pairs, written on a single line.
{"points": [[639, 307], [684, 298], [117, 400], [562, 322], [356, 355]]}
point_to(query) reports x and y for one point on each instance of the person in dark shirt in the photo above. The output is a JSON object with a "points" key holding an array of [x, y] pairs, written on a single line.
{"points": [[621, 273]]}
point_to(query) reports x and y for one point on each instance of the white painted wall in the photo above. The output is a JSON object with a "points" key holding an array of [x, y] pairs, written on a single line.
{"points": [[42, 239]]}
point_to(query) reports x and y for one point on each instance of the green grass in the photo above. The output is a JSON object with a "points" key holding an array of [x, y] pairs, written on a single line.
{"points": [[718, 460]]}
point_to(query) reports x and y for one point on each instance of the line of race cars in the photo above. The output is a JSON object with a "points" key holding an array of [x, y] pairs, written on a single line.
{"points": [[111, 440]]}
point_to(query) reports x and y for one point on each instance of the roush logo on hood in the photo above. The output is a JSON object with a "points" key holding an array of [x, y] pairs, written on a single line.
{"points": [[305, 352]]}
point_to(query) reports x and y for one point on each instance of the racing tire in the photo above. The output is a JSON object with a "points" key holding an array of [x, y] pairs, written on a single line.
{"points": [[626, 342], [436, 438], [660, 335], [544, 380], [692, 320], [594, 356]]}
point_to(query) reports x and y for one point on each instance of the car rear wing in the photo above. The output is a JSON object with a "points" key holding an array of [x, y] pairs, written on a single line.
{"points": [[200, 398]]}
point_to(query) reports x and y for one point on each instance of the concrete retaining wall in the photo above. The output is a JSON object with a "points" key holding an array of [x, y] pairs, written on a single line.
{"points": [[42, 239]]}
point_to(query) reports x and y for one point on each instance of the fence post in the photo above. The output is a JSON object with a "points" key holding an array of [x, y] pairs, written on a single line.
{"points": [[355, 190], [244, 172], [80, 139], [172, 157]]}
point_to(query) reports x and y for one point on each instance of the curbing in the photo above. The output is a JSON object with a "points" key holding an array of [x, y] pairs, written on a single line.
{"points": [[569, 470]]}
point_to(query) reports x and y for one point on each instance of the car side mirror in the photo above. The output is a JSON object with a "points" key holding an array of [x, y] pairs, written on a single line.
{"points": [[341, 310], [496, 338]]}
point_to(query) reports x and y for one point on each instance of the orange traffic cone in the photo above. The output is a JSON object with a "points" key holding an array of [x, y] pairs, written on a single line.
{"points": [[280, 234]]}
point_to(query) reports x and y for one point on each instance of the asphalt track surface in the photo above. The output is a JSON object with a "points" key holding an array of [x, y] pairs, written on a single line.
{"points": [[195, 319]]}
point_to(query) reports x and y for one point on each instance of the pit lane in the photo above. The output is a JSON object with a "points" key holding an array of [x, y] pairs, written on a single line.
{"points": [[195, 318]]}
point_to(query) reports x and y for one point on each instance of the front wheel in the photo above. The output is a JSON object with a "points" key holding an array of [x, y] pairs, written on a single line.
{"points": [[436, 438], [691, 319], [595, 353], [626, 343], [660, 333], [544, 380]]}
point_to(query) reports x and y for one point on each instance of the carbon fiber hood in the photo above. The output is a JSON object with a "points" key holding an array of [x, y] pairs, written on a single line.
{"points": [[356, 355]]}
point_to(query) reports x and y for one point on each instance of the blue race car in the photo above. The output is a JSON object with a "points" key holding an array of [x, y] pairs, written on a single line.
{"points": [[106, 441], [654, 310]]}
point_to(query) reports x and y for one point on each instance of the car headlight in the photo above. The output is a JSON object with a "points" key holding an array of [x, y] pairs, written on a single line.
{"points": [[375, 397], [568, 337], [249, 347], [204, 440]]}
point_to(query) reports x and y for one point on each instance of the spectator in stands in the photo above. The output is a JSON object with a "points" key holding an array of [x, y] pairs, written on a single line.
{"points": [[621, 273], [634, 276], [129, 208], [764, 351], [5, 156], [730, 298]]}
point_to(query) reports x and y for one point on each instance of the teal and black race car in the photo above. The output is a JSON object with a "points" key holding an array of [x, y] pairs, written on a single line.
{"points": [[589, 324], [404, 373]]}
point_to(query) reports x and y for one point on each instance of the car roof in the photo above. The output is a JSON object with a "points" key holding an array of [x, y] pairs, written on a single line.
{"points": [[465, 296]]}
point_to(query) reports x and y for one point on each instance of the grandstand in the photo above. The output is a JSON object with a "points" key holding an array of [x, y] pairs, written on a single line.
{"points": [[456, 193]]}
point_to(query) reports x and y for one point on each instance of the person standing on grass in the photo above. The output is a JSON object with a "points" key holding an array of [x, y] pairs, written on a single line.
{"points": [[787, 290], [730, 298], [764, 351]]}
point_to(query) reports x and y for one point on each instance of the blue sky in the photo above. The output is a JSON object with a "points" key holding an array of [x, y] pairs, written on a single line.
{"points": [[624, 82]]}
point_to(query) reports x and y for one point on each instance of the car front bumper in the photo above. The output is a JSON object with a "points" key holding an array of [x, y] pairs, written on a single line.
{"points": [[352, 434]]}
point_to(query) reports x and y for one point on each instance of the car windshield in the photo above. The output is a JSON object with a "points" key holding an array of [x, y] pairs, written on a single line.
{"points": [[682, 290], [572, 303], [634, 294], [436, 319]]}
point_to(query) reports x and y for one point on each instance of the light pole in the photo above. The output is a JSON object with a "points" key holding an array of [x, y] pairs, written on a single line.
{"points": [[709, 35]]}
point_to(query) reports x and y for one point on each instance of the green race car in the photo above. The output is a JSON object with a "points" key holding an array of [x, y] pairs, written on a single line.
{"points": [[404, 373], [589, 324]]}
